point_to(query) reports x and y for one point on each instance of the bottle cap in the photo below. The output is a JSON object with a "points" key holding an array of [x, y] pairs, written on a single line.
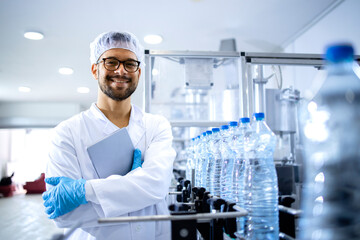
{"points": [[259, 116], [233, 124], [339, 53], [204, 134], [216, 130], [245, 120], [224, 127], [209, 132]]}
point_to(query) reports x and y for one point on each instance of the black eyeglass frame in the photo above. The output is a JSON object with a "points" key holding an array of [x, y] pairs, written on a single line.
{"points": [[120, 62]]}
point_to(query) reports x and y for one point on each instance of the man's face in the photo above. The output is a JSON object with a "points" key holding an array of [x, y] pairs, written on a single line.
{"points": [[117, 84]]}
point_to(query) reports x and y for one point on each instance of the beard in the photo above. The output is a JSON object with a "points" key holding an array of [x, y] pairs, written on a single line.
{"points": [[117, 94]]}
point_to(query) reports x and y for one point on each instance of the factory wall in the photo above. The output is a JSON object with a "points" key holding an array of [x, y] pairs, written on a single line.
{"points": [[340, 25]]}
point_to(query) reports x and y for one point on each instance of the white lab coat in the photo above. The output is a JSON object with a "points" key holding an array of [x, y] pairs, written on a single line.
{"points": [[141, 192]]}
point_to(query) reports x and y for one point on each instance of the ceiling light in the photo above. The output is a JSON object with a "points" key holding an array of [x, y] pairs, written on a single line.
{"points": [[24, 89], [155, 72], [34, 35], [83, 90], [66, 71], [153, 39]]}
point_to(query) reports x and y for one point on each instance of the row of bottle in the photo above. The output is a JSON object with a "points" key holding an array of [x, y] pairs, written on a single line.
{"points": [[235, 162]]}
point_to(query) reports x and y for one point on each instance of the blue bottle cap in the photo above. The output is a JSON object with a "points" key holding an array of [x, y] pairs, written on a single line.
{"points": [[339, 53], [204, 134], [223, 127], [259, 116], [209, 132], [216, 130], [233, 124], [245, 120]]}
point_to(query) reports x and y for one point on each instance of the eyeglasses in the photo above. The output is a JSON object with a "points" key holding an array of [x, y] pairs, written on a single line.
{"points": [[113, 64]]}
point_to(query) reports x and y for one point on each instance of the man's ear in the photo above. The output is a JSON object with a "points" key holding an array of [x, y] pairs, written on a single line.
{"points": [[139, 73], [94, 71]]}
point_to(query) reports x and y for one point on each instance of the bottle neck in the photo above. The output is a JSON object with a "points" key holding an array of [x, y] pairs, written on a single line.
{"points": [[259, 120], [340, 67]]}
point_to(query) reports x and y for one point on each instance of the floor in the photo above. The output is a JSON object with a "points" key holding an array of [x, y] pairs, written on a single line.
{"points": [[23, 217]]}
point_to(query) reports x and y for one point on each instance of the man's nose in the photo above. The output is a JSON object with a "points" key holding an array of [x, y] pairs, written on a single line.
{"points": [[121, 69]]}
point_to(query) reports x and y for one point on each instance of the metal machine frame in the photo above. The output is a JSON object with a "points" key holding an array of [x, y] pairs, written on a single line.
{"points": [[248, 95], [246, 81], [149, 58], [253, 58]]}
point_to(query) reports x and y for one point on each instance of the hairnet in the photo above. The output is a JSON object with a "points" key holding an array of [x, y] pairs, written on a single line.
{"points": [[110, 40]]}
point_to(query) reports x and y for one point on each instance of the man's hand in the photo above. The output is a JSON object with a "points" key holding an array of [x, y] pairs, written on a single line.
{"points": [[66, 195], [137, 159]]}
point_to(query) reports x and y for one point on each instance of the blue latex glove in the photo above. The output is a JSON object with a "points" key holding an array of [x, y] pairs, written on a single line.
{"points": [[137, 159], [66, 195]]}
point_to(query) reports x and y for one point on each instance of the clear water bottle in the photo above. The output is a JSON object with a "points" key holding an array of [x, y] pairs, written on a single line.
{"points": [[261, 187], [238, 170], [208, 160], [229, 144], [204, 156], [200, 162], [190, 162], [196, 159], [331, 128], [216, 173], [215, 154]]}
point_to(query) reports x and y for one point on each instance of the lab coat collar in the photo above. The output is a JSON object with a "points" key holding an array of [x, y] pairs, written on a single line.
{"points": [[136, 127]]}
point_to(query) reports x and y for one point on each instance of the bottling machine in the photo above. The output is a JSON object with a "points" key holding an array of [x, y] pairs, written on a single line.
{"points": [[200, 90]]}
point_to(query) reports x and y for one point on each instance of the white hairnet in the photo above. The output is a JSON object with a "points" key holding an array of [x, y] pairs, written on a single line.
{"points": [[110, 40]]}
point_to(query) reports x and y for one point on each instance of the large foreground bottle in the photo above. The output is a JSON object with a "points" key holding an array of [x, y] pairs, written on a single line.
{"points": [[260, 184], [331, 131]]}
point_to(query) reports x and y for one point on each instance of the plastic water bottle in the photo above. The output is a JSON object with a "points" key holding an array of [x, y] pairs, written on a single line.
{"points": [[229, 144], [215, 154], [190, 163], [218, 161], [238, 170], [204, 156], [201, 157], [208, 160], [196, 159], [331, 128], [261, 187]]}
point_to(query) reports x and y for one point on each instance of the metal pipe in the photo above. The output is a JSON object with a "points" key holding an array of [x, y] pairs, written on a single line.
{"points": [[250, 91], [175, 193], [258, 89], [291, 211], [200, 217], [244, 88], [285, 236], [147, 91]]}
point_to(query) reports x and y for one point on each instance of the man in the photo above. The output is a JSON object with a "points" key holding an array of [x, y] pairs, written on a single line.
{"points": [[76, 196]]}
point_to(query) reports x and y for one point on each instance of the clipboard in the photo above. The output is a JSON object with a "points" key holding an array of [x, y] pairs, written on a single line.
{"points": [[112, 155]]}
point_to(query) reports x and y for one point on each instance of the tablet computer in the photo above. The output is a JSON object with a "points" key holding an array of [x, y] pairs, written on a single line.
{"points": [[112, 155]]}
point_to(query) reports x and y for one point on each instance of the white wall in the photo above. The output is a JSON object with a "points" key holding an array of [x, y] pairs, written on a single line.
{"points": [[340, 25], [4, 150], [35, 114]]}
